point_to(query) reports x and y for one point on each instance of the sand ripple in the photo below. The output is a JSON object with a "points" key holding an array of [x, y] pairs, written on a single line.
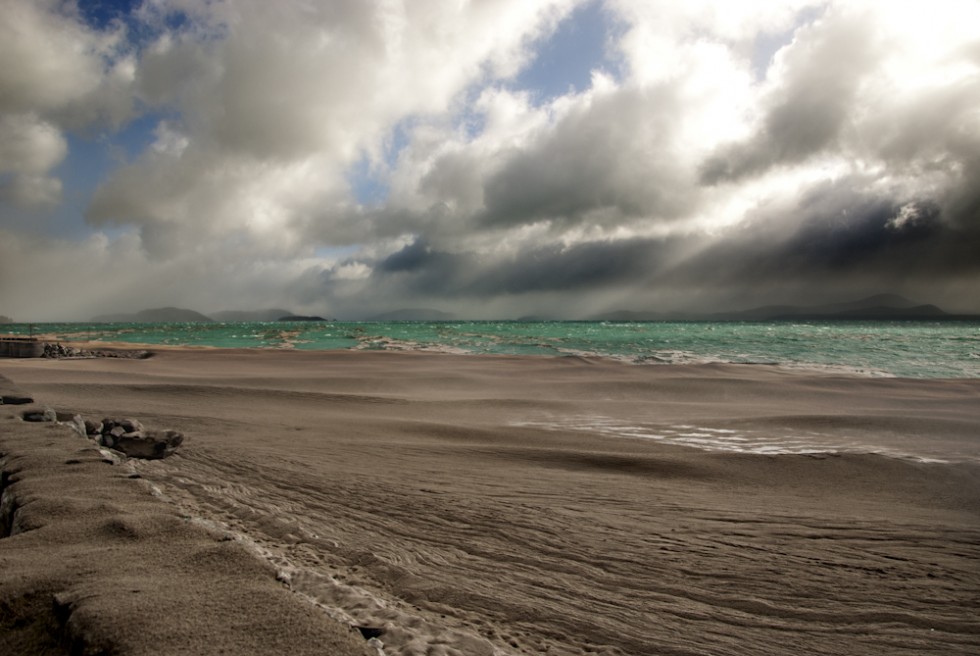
{"points": [[427, 495], [590, 570]]}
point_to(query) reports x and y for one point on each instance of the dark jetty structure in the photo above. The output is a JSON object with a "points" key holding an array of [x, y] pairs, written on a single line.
{"points": [[21, 347]]}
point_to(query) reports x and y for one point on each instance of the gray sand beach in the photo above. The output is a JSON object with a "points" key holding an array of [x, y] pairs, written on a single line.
{"points": [[491, 505]]}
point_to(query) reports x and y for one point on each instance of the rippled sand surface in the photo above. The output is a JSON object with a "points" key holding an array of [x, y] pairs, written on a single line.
{"points": [[503, 505]]}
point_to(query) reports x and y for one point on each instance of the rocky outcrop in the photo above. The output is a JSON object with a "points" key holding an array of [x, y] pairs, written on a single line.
{"points": [[131, 438], [127, 436]]}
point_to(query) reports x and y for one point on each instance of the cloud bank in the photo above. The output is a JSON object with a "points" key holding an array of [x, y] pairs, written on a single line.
{"points": [[348, 158]]}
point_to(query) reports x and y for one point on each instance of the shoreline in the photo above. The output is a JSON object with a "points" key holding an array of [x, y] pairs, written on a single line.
{"points": [[871, 349], [146, 350], [397, 488]]}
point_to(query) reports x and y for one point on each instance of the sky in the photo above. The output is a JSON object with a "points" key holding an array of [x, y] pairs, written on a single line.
{"points": [[487, 158]]}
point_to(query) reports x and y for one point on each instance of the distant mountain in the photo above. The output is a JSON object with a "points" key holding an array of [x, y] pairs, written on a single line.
{"points": [[413, 314], [231, 316], [879, 306], [156, 315], [880, 312], [4, 319], [630, 315], [876, 301]]}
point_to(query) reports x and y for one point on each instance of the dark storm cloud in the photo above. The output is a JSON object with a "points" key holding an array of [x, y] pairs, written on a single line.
{"points": [[424, 270], [613, 161], [844, 237], [584, 266], [840, 238]]}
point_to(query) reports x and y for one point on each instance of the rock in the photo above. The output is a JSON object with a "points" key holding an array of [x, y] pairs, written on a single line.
{"points": [[58, 350], [131, 425], [11, 397], [78, 425], [115, 431], [41, 414], [150, 445], [93, 427], [10, 394]]}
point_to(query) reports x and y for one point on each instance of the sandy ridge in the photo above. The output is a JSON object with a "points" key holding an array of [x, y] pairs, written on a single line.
{"points": [[93, 563]]}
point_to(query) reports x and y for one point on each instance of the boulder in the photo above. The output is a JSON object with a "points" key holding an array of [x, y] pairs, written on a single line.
{"points": [[125, 425], [131, 425], [149, 445]]}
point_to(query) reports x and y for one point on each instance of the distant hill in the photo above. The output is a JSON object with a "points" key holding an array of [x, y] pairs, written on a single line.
{"points": [[413, 314], [630, 315], [231, 316], [879, 306], [156, 315], [4, 319], [877, 301], [878, 312]]}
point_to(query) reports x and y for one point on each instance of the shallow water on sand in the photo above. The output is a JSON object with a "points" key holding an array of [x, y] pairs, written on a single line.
{"points": [[929, 448]]}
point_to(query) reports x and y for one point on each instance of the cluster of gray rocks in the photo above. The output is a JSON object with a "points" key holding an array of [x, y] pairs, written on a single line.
{"points": [[128, 436], [59, 350]]}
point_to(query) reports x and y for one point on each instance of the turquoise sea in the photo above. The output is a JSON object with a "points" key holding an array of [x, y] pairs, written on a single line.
{"points": [[920, 349]]}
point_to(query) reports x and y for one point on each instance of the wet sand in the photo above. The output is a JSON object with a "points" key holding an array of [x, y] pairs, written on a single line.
{"points": [[483, 505]]}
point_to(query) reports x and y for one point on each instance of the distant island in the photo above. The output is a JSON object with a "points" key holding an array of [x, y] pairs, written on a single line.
{"points": [[182, 315], [294, 317], [4, 319]]}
